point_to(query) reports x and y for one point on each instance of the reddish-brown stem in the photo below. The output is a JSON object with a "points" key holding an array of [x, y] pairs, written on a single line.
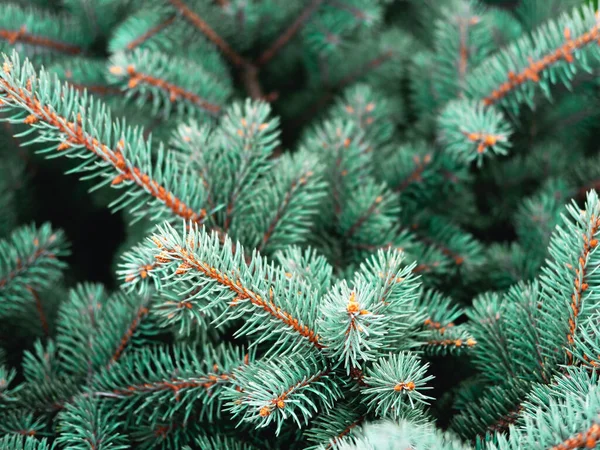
{"points": [[201, 25], [463, 51], [24, 265], [174, 385], [344, 432], [505, 421], [289, 33], [580, 285], [369, 66], [151, 32], [415, 175], [301, 181], [533, 71], [40, 309], [470, 342], [251, 82], [175, 92], [75, 135], [21, 35], [279, 401], [433, 325], [586, 439], [363, 218], [96, 88], [141, 313], [425, 267], [189, 261]]}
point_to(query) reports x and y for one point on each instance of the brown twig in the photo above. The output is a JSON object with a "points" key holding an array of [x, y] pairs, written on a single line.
{"points": [[40, 309], [289, 33], [533, 71], [235, 58], [21, 35], [151, 32], [75, 135]]}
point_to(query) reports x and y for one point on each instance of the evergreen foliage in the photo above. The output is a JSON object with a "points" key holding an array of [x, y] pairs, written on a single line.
{"points": [[348, 224]]}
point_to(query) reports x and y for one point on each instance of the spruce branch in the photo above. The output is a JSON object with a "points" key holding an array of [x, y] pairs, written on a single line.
{"points": [[494, 409], [40, 310], [17, 423], [369, 213], [394, 382], [340, 423], [7, 392], [75, 338], [289, 33], [409, 432], [156, 29], [87, 74], [249, 71], [413, 167], [308, 265], [533, 13], [41, 363], [257, 292], [40, 32], [570, 275], [291, 193], [489, 328], [367, 67], [587, 344], [149, 76], [367, 320], [587, 438], [250, 136], [470, 131], [441, 311], [30, 261], [84, 129], [462, 39], [455, 340], [199, 23], [272, 391], [130, 330], [137, 269], [357, 74], [560, 417], [182, 380], [87, 423], [538, 59], [460, 247]]}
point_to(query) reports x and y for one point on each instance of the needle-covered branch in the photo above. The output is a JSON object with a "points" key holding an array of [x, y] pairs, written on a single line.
{"points": [[395, 385], [274, 306], [272, 391], [75, 125], [367, 319], [182, 380], [553, 53], [41, 34], [177, 87], [569, 281], [30, 261]]}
